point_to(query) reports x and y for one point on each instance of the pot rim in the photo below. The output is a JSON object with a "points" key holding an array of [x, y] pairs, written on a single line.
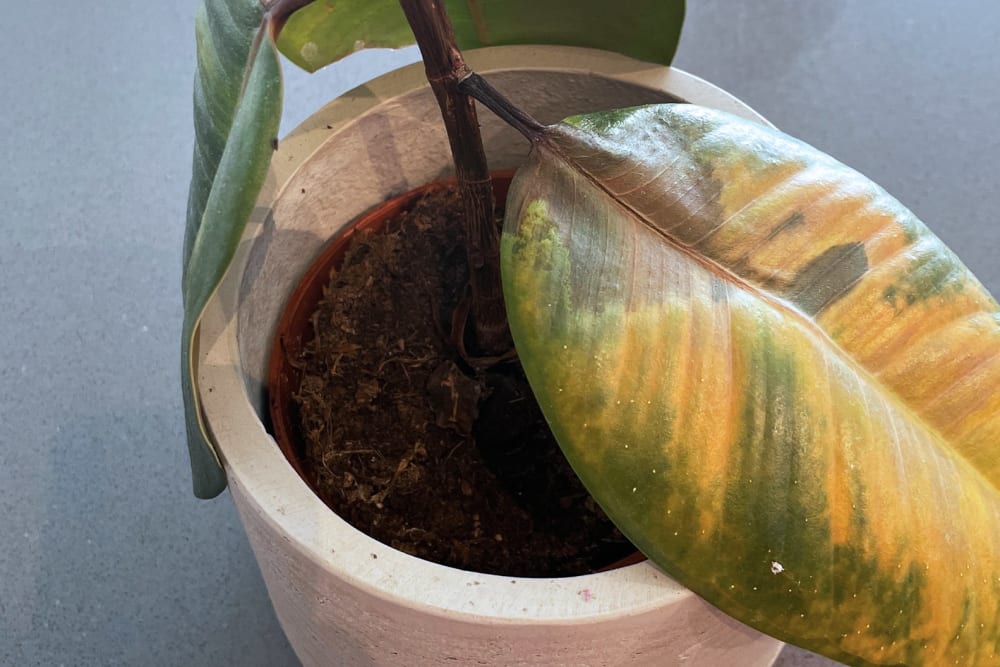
{"points": [[258, 472]]}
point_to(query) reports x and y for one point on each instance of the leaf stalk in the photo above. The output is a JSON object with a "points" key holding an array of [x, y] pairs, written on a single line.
{"points": [[476, 86]]}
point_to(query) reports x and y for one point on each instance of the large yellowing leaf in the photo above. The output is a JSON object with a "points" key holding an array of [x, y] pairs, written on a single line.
{"points": [[776, 380], [328, 30], [237, 107]]}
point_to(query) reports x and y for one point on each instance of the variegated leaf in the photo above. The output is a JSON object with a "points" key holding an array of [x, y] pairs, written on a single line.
{"points": [[774, 378]]}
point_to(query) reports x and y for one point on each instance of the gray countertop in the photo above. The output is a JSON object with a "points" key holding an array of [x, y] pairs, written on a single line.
{"points": [[105, 557]]}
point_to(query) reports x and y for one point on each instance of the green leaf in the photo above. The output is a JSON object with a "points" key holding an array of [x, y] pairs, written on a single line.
{"points": [[237, 108], [328, 30], [779, 384]]}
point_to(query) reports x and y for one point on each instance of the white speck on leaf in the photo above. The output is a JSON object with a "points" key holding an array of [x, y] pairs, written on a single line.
{"points": [[309, 51], [776, 567]]}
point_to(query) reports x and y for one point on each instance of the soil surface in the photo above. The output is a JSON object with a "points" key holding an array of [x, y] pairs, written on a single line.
{"points": [[409, 444]]}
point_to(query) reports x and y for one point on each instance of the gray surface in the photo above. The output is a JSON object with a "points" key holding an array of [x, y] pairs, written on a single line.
{"points": [[105, 557]]}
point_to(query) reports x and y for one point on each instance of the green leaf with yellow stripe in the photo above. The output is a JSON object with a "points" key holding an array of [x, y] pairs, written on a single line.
{"points": [[778, 382]]}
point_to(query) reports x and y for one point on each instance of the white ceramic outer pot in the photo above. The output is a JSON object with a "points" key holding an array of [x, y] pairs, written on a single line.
{"points": [[343, 598]]}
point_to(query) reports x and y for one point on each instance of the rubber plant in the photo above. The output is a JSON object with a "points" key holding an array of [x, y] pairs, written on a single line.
{"points": [[774, 378]]}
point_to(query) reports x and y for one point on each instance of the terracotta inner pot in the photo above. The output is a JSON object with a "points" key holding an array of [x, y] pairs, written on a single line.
{"points": [[294, 329]]}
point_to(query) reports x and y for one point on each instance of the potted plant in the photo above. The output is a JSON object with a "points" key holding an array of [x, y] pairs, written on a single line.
{"points": [[830, 549]]}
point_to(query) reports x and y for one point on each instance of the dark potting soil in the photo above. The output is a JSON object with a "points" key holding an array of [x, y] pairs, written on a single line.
{"points": [[410, 445]]}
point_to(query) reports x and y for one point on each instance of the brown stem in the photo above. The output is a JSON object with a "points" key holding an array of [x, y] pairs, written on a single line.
{"points": [[445, 67]]}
